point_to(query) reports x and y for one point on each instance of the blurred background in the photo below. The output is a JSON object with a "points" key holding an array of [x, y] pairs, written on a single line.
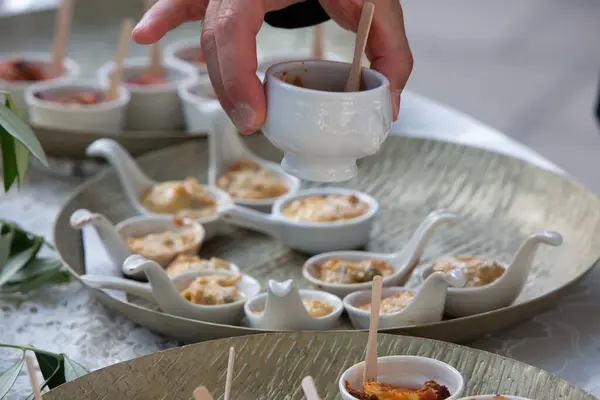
{"points": [[529, 68]]}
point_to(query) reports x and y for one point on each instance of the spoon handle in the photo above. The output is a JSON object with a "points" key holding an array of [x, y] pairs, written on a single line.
{"points": [[138, 289]]}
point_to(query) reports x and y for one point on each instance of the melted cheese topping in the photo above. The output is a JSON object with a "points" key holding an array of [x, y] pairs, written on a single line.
{"points": [[185, 263], [159, 245], [391, 304], [344, 271], [479, 271], [213, 290], [186, 198], [431, 390], [246, 179], [330, 208], [315, 308]]}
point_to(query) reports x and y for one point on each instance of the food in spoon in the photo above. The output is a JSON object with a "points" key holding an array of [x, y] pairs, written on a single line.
{"points": [[147, 79], [186, 198], [392, 304], [214, 290], [315, 308], [163, 245], [77, 98], [329, 208], [431, 390], [186, 263], [17, 69], [479, 271], [348, 272], [247, 179]]}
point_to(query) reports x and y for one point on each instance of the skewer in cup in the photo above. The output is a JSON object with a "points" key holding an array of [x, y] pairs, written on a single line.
{"points": [[362, 34], [310, 389], [33, 378], [61, 37], [122, 48], [370, 371], [155, 66], [229, 377], [318, 42]]}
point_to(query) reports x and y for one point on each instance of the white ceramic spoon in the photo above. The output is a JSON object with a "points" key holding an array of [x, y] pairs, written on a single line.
{"points": [[426, 307], [136, 183], [167, 292], [308, 237], [403, 261], [502, 292], [283, 309]]}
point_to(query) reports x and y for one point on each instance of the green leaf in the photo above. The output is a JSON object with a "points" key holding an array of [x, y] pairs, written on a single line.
{"points": [[23, 156], [36, 268], [5, 243], [20, 260], [9, 158], [57, 277], [52, 367], [8, 377], [20, 130], [73, 370], [22, 240]]}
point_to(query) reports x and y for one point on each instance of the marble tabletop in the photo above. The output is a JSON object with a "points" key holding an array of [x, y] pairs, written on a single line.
{"points": [[564, 340]]}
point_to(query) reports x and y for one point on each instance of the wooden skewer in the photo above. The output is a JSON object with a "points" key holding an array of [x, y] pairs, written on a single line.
{"points": [[362, 34], [33, 378], [370, 371], [155, 66], [202, 393], [318, 42], [310, 389], [229, 377], [122, 48], [61, 37]]}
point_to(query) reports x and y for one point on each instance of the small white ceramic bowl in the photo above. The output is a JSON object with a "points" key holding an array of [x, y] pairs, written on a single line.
{"points": [[185, 50], [344, 127], [493, 397], [405, 371], [152, 107], [106, 117], [193, 95], [114, 238], [17, 88], [283, 309], [308, 237], [302, 53]]}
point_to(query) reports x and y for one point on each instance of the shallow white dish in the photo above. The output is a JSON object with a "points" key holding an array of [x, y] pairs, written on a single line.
{"points": [[308, 237], [106, 117], [403, 261], [346, 126], [502, 292], [153, 107], [114, 237], [136, 183], [427, 305], [405, 371], [17, 89], [283, 308]]}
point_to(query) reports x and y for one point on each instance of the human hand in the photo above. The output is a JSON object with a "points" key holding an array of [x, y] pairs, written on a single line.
{"points": [[229, 44]]}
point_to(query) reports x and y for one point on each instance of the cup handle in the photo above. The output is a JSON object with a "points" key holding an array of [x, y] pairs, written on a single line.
{"points": [[250, 219]]}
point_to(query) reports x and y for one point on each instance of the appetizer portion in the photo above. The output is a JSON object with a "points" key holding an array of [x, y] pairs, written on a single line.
{"points": [[211, 290], [392, 304], [186, 198], [158, 246], [315, 308], [348, 272], [78, 99], [146, 79], [431, 390], [329, 208], [479, 271], [16, 69], [186, 263], [247, 179]]}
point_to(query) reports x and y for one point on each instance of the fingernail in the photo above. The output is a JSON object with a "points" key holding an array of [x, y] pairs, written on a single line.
{"points": [[243, 117], [144, 22]]}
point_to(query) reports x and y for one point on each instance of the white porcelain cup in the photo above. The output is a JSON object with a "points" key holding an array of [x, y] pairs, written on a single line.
{"points": [[105, 117], [193, 96], [152, 107], [44, 60], [321, 129]]}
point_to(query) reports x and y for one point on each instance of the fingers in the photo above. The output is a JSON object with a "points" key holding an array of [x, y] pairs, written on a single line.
{"points": [[229, 42], [166, 15]]}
